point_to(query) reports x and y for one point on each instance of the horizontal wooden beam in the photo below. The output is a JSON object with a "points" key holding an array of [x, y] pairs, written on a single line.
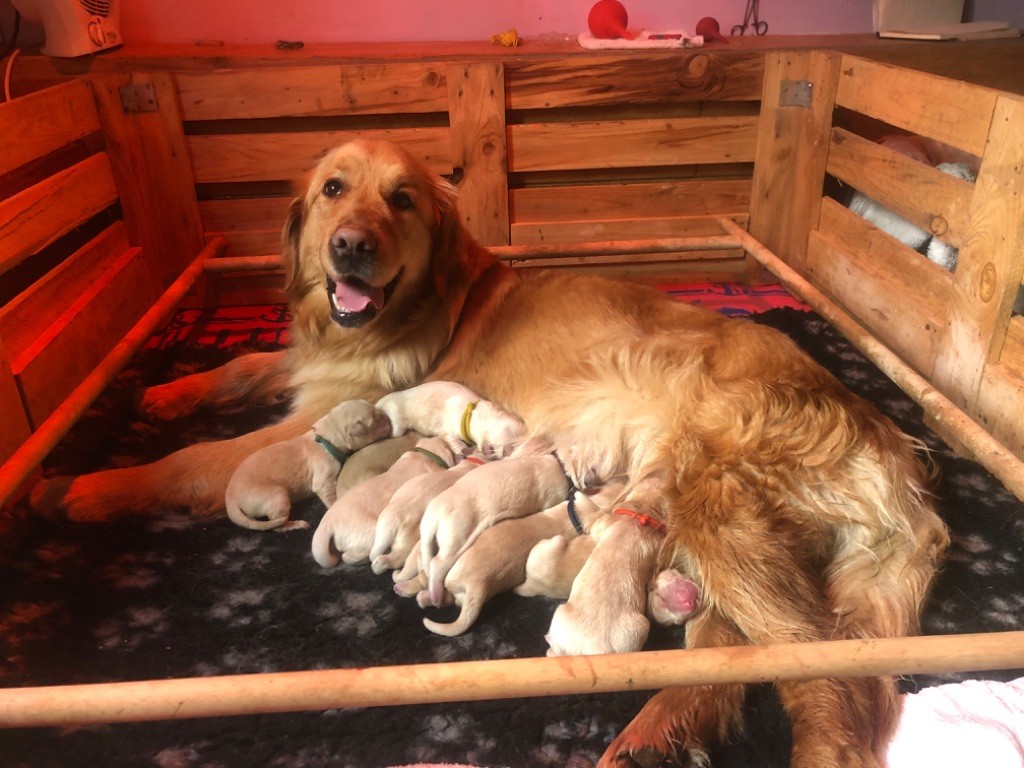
{"points": [[533, 252], [501, 679]]}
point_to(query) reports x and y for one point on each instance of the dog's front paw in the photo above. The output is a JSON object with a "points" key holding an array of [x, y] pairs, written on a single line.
{"points": [[165, 402], [647, 743], [621, 755]]}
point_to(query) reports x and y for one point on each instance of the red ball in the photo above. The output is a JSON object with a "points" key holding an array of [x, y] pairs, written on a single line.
{"points": [[608, 19], [708, 28]]}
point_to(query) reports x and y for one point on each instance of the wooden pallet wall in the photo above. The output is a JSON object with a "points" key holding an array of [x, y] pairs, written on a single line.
{"points": [[543, 151]]}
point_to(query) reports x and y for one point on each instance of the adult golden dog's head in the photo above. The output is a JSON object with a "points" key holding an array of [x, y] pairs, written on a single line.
{"points": [[374, 233]]}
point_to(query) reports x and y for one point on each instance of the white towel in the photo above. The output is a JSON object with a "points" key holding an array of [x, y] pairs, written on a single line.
{"points": [[974, 723], [643, 40]]}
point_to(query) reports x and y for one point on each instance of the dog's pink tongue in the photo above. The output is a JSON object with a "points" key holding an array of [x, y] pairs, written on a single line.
{"points": [[356, 298]]}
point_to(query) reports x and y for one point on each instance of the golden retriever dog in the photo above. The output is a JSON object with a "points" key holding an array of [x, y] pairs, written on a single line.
{"points": [[800, 510]]}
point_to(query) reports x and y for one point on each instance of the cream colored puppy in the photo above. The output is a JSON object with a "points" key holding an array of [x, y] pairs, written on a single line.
{"points": [[348, 526], [447, 408], [514, 487], [497, 560], [375, 459], [553, 564], [607, 606], [262, 490], [398, 527]]}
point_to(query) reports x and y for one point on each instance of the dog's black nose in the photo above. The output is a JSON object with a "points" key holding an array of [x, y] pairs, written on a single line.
{"points": [[350, 248]]}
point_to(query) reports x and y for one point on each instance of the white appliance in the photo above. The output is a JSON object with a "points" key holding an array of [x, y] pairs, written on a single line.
{"points": [[74, 27]]}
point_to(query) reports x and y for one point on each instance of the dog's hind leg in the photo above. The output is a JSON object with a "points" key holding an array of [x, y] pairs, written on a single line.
{"points": [[679, 723], [256, 378], [195, 477]]}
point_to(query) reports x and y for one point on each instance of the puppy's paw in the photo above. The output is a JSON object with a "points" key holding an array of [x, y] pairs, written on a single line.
{"points": [[292, 525]]}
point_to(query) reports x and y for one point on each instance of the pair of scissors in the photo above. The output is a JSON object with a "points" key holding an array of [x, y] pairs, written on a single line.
{"points": [[751, 20]]}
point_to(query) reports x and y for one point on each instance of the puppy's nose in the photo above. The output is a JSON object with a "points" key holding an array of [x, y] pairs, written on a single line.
{"points": [[348, 244]]}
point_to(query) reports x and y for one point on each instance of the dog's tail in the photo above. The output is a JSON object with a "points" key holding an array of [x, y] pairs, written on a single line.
{"points": [[237, 515], [384, 534], [324, 551], [472, 604]]}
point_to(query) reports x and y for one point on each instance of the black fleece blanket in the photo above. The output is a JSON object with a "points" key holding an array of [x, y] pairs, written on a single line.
{"points": [[170, 596]]}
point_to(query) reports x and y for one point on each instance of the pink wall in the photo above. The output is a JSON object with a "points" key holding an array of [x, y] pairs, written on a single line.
{"points": [[265, 21], [260, 21]]}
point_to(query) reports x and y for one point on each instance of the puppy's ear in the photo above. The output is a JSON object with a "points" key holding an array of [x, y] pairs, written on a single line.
{"points": [[291, 235]]}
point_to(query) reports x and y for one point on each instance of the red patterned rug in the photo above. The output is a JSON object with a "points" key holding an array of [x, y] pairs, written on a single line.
{"points": [[227, 326]]}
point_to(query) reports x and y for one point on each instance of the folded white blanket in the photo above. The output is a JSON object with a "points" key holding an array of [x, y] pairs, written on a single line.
{"points": [[644, 39], [974, 723]]}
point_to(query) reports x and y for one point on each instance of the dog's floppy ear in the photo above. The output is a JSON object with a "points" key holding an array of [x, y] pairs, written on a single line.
{"points": [[456, 260], [291, 235]]}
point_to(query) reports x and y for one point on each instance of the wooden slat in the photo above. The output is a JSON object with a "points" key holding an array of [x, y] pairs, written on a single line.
{"points": [[615, 229], [675, 260], [290, 156], [245, 213], [950, 111], [40, 123], [1012, 355], [933, 200], [999, 405], [665, 77], [151, 167], [92, 323], [889, 288], [989, 267], [14, 427], [789, 169], [476, 94], [617, 201], [313, 91], [30, 454], [39, 215], [631, 143], [30, 313], [249, 242]]}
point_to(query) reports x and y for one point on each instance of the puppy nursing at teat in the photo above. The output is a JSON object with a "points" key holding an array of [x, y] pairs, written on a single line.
{"points": [[497, 560], [606, 615], [447, 408], [530, 480], [262, 490], [347, 529]]}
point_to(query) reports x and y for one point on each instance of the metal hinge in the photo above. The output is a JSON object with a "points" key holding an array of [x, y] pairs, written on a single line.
{"points": [[795, 93], [138, 98]]}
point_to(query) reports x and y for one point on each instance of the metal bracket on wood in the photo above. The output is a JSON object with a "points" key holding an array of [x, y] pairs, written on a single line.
{"points": [[795, 93], [138, 98]]}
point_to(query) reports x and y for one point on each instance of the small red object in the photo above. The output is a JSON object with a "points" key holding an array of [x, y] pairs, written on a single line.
{"points": [[608, 19], [709, 30]]}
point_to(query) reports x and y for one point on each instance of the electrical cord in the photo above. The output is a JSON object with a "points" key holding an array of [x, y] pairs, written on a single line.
{"points": [[13, 52]]}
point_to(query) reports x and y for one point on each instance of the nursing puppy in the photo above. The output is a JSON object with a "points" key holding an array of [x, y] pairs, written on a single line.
{"points": [[496, 562], [397, 531], [606, 615], [553, 565], [447, 408], [262, 490], [375, 459], [348, 526], [514, 487], [672, 598]]}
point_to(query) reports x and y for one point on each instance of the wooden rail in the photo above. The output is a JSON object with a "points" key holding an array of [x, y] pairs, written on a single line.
{"points": [[32, 452]]}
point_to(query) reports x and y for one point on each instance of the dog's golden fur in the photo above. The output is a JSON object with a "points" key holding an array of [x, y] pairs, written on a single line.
{"points": [[799, 510]]}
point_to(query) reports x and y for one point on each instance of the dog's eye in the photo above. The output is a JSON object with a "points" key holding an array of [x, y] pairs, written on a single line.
{"points": [[333, 187], [401, 200]]}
